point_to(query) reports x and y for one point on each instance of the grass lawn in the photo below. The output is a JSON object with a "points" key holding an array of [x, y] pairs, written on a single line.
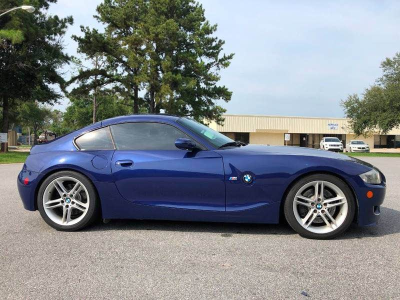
{"points": [[374, 154], [13, 157]]}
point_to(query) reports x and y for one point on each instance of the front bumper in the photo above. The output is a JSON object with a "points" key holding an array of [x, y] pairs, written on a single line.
{"points": [[360, 150], [335, 149], [369, 208]]}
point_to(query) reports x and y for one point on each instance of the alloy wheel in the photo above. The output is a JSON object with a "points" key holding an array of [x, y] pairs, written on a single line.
{"points": [[66, 201], [320, 207]]}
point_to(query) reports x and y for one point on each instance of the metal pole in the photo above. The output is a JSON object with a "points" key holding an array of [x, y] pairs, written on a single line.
{"points": [[15, 8], [29, 9]]}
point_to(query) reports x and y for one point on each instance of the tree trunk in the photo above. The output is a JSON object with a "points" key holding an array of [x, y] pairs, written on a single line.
{"points": [[35, 135], [94, 106], [4, 127], [152, 101], [96, 65], [136, 99], [135, 93]]}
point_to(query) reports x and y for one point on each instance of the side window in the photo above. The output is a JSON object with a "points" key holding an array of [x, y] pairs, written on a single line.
{"points": [[99, 139], [146, 136]]}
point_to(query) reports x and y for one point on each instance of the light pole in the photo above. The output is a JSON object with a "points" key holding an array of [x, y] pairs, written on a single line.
{"points": [[28, 8]]}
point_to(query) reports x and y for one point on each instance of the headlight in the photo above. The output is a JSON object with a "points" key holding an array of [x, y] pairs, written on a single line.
{"points": [[371, 177]]}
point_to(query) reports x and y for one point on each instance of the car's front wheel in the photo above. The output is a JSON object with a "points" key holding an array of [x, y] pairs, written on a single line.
{"points": [[67, 201], [320, 206]]}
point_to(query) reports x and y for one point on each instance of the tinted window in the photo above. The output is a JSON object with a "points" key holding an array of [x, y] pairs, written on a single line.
{"points": [[146, 136], [215, 138], [357, 142], [332, 140], [95, 140]]}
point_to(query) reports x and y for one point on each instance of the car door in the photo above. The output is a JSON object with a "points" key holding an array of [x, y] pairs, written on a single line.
{"points": [[148, 169]]}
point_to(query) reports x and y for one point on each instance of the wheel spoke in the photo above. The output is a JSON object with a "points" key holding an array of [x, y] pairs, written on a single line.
{"points": [[76, 187], [333, 199], [336, 202], [60, 187], [305, 198], [326, 221], [64, 216], [69, 214], [79, 208], [80, 203], [53, 203], [333, 221], [311, 220], [303, 203], [316, 191], [322, 191]]}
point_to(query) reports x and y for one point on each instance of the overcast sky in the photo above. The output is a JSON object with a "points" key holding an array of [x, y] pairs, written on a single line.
{"points": [[294, 58]]}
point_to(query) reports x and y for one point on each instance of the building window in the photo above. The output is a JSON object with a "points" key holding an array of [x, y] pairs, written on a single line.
{"points": [[243, 137]]}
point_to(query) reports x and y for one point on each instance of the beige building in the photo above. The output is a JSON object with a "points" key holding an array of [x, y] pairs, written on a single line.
{"points": [[304, 131]]}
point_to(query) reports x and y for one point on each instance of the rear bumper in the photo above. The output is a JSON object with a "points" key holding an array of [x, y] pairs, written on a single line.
{"points": [[27, 189]]}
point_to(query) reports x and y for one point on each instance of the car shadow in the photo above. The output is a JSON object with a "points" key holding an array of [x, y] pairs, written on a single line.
{"points": [[225, 229], [389, 224]]}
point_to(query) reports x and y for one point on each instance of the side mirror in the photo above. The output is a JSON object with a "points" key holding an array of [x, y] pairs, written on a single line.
{"points": [[185, 144]]}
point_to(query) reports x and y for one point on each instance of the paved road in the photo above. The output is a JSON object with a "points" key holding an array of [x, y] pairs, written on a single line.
{"points": [[160, 260]]}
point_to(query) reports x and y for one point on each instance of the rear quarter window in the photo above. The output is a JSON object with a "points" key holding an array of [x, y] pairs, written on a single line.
{"points": [[99, 139]]}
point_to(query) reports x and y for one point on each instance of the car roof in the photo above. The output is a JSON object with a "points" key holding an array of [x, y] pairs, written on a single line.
{"points": [[140, 118], [357, 141]]}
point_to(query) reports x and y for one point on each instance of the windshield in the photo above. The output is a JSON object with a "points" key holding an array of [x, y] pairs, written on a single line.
{"points": [[358, 142], [213, 137], [332, 140]]}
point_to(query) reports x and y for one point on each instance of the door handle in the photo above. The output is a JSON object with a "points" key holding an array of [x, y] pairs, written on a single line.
{"points": [[124, 163]]}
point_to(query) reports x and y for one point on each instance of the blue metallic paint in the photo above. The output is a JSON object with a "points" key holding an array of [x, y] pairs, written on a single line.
{"points": [[185, 185]]}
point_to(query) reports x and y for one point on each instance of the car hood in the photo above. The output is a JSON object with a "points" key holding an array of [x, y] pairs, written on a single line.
{"points": [[285, 150], [291, 150]]}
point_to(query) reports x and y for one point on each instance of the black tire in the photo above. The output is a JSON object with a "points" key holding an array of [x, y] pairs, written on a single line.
{"points": [[92, 210], [290, 216]]}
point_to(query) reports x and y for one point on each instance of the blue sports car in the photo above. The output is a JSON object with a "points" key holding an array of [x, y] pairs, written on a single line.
{"points": [[171, 168]]}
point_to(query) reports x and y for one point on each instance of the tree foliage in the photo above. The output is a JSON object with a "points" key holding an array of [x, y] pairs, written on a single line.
{"points": [[161, 54], [80, 111], [378, 110], [31, 54], [35, 116]]}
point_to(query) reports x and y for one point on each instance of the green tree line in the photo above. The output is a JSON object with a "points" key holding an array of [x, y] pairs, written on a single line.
{"points": [[151, 56], [378, 109]]}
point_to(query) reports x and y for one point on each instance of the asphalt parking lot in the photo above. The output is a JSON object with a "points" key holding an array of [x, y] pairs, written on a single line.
{"points": [[177, 260]]}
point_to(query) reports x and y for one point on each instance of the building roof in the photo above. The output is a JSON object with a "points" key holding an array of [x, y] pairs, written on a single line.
{"points": [[285, 124]]}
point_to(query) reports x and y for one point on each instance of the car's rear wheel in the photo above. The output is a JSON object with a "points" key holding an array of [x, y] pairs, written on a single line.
{"points": [[320, 206], [67, 201]]}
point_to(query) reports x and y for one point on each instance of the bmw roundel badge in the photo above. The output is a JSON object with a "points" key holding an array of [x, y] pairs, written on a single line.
{"points": [[247, 178]]}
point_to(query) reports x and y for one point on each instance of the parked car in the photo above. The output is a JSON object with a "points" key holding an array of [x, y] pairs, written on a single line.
{"points": [[357, 146], [46, 136], [171, 168], [331, 144]]}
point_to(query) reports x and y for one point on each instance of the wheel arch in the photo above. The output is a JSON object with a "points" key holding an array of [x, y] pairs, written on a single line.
{"points": [[53, 171], [301, 176]]}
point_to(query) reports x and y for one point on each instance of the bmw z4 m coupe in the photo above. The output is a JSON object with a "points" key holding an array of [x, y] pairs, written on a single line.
{"points": [[170, 168]]}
